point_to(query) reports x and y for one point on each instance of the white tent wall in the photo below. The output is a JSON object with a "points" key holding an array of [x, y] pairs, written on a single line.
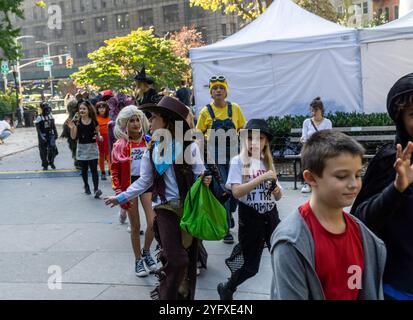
{"points": [[279, 84], [282, 60], [383, 64]]}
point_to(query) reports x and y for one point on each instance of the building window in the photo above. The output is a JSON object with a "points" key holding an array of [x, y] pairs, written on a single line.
{"points": [[365, 8], [35, 13], [73, 3], [142, 2], [396, 12], [79, 27], [104, 3], [171, 13], [82, 5], [81, 50], [122, 21], [233, 28], [379, 12], [101, 24], [145, 17], [61, 49], [120, 3], [204, 33], [340, 9], [224, 29], [41, 52], [387, 13], [196, 13]]}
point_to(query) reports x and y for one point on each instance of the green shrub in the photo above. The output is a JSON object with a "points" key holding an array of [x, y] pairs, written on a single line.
{"points": [[7, 102], [281, 127]]}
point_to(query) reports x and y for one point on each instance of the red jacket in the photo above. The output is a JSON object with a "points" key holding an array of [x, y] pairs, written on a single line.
{"points": [[121, 170]]}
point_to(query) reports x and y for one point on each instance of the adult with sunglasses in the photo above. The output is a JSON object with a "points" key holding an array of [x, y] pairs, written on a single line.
{"points": [[225, 115]]}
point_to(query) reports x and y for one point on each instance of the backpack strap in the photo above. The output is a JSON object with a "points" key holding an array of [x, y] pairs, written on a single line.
{"points": [[230, 110], [211, 112]]}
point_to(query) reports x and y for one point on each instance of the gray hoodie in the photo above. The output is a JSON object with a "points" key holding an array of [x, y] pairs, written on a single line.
{"points": [[293, 262]]}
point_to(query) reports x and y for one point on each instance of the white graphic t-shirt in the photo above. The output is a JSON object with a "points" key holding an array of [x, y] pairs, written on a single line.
{"points": [[137, 151], [260, 198]]}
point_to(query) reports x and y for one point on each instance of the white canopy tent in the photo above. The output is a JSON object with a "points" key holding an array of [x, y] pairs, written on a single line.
{"points": [[282, 60], [386, 55]]}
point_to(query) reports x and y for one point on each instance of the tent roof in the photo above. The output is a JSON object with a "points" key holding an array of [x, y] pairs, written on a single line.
{"points": [[283, 21], [397, 29]]}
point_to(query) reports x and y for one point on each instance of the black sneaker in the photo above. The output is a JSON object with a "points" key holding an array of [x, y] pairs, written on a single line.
{"points": [[224, 292], [140, 270], [45, 168], [148, 260], [53, 166], [87, 190], [98, 193], [228, 238], [103, 176]]}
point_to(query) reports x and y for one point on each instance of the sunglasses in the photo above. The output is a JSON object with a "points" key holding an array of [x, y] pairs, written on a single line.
{"points": [[217, 78]]}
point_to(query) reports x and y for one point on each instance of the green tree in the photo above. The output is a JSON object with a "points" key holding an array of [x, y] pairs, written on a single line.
{"points": [[248, 10], [8, 46], [115, 64]]}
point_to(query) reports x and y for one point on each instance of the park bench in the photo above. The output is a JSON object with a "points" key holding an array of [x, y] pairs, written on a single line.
{"points": [[375, 136]]}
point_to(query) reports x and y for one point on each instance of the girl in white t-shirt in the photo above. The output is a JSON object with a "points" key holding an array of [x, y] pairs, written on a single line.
{"points": [[253, 181], [317, 122]]}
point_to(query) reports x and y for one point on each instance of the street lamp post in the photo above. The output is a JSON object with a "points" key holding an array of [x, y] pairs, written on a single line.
{"points": [[18, 81], [18, 64], [48, 44]]}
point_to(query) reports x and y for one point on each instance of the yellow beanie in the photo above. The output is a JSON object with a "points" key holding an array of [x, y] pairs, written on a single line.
{"points": [[218, 83]]}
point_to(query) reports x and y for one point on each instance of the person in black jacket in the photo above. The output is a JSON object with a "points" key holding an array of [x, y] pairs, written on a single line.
{"points": [[47, 135], [385, 202]]}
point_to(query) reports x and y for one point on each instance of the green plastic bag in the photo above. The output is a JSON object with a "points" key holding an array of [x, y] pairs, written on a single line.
{"points": [[204, 217]]}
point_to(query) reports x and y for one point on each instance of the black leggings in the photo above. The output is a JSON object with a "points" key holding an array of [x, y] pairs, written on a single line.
{"points": [[254, 234], [93, 165]]}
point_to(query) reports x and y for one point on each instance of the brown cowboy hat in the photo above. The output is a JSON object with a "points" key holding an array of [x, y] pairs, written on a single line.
{"points": [[170, 107]]}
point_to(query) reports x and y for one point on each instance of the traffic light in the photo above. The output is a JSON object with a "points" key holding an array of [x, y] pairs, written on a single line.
{"points": [[69, 62]]}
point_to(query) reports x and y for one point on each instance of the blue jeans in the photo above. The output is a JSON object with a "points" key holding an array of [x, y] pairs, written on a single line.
{"points": [[5, 134]]}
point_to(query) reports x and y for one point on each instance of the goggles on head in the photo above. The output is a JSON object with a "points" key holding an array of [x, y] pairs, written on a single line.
{"points": [[216, 79]]}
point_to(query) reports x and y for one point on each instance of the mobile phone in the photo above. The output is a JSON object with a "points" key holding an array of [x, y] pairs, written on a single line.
{"points": [[76, 117]]}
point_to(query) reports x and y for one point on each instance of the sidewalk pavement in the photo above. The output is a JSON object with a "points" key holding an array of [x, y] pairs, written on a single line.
{"points": [[26, 138]]}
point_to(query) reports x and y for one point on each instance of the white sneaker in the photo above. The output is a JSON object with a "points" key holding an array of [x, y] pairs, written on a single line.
{"points": [[306, 189], [129, 229], [122, 216]]}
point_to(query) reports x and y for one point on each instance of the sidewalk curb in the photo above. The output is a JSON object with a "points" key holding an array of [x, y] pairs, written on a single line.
{"points": [[16, 152]]}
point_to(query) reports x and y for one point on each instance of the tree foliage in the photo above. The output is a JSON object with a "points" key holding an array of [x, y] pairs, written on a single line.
{"points": [[184, 40], [248, 10], [114, 65], [322, 8], [8, 46]]}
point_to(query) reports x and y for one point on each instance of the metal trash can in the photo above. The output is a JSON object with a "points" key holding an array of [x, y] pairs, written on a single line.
{"points": [[29, 116]]}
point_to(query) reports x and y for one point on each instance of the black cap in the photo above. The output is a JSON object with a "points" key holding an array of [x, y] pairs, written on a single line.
{"points": [[402, 86], [259, 124]]}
